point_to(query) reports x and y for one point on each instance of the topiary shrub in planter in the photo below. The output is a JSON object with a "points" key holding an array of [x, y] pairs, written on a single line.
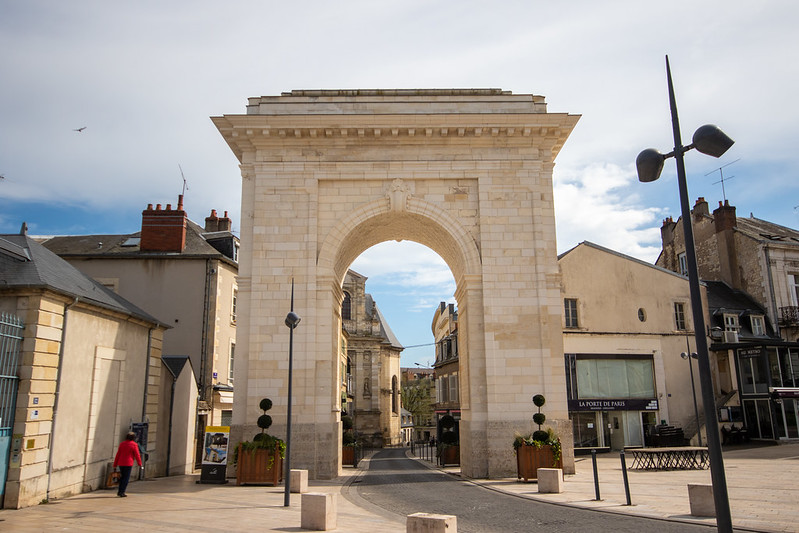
{"points": [[448, 449], [260, 461], [539, 449]]}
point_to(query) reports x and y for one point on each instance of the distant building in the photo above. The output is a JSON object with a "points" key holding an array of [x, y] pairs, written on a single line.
{"points": [[373, 354], [184, 274], [79, 367], [445, 333], [419, 398]]}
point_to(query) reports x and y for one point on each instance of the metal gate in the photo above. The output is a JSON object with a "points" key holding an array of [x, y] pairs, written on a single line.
{"points": [[10, 340]]}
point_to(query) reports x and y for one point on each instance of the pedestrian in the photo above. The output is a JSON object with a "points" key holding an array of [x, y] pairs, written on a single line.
{"points": [[127, 453]]}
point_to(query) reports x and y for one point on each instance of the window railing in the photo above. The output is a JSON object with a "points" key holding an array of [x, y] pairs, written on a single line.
{"points": [[789, 316]]}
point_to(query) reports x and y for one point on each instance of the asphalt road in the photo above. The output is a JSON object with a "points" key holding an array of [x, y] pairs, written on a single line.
{"points": [[403, 486]]}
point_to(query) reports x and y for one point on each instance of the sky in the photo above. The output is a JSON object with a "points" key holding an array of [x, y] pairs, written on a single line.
{"points": [[145, 77]]}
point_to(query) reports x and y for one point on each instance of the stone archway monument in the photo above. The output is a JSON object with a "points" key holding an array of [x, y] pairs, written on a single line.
{"points": [[327, 174]]}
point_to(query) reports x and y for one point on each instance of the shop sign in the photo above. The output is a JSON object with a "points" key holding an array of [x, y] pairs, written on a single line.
{"points": [[631, 404], [748, 353]]}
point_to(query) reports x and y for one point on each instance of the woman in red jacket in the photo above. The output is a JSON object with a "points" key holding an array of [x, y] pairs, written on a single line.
{"points": [[127, 453]]}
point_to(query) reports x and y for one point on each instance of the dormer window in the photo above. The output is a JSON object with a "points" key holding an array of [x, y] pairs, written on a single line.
{"points": [[758, 325], [731, 322]]}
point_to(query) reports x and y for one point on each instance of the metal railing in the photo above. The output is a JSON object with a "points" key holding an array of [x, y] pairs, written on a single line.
{"points": [[789, 316], [424, 450]]}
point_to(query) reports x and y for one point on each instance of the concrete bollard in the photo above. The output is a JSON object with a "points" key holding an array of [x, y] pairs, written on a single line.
{"points": [[431, 523], [318, 511], [701, 499], [550, 480], [299, 481]]}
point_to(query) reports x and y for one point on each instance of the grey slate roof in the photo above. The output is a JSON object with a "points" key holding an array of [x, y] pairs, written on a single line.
{"points": [[767, 231], [127, 245], [385, 330], [26, 264]]}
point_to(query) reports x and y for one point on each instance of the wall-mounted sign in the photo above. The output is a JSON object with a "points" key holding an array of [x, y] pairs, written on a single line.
{"points": [[628, 404], [748, 353]]}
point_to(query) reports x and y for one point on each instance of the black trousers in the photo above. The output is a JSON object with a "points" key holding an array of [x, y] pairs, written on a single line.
{"points": [[124, 478]]}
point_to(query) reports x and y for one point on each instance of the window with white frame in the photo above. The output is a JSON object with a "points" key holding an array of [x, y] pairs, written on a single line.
{"points": [[683, 260], [231, 358], [453, 387], [793, 281], [731, 322], [679, 316], [233, 304], [570, 310], [758, 324]]}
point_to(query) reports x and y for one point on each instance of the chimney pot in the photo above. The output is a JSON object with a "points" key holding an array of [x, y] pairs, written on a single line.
{"points": [[149, 207], [180, 202], [157, 207]]}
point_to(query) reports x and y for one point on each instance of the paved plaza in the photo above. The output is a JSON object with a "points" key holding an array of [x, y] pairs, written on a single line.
{"points": [[761, 482]]}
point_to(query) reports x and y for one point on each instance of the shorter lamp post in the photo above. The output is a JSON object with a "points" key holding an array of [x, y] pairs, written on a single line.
{"points": [[712, 141], [685, 355], [292, 320]]}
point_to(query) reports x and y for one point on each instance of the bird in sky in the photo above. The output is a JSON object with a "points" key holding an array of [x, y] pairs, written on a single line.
{"points": [[79, 130]]}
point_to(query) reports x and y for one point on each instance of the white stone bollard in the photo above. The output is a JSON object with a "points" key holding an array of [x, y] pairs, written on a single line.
{"points": [[318, 511], [431, 523], [299, 481], [550, 480], [701, 499]]}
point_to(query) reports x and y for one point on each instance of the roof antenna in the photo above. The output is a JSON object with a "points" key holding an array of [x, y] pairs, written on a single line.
{"points": [[723, 193], [186, 187]]}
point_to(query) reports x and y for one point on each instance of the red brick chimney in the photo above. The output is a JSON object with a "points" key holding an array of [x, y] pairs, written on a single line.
{"points": [[163, 230], [724, 217], [215, 223]]}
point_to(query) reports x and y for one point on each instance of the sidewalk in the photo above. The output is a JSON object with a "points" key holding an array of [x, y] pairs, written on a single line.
{"points": [[762, 486]]}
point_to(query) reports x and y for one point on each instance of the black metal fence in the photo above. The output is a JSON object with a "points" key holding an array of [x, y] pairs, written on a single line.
{"points": [[424, 450]]}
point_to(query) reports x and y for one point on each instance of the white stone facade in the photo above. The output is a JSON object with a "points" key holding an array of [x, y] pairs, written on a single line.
{"points": [[468, 173]]}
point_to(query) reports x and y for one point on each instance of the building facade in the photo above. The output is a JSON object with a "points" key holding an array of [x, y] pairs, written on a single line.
{"points": [[752, 267], [373, 355], [185, 275], [625, 324], [79, 368], [445, 333]]}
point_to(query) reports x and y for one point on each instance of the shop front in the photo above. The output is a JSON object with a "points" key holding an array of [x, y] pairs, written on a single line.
{"points": [[612, 399], [768, 382], [611, 423]]}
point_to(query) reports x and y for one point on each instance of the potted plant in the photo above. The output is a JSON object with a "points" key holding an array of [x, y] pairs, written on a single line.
{"points": [[448, 449], [540, 449], [350, 445], [260, 460]]}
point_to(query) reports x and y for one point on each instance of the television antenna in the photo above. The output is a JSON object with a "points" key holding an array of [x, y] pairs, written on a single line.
{"points": [[185, 186], [721, 172]]}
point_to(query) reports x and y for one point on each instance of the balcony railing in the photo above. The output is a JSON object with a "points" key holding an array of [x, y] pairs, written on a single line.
{"points": [[789, 316]]}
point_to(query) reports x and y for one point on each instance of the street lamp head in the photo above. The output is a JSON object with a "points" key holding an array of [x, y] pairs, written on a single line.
{"points": [[292, 320], [649, 164], [710, 140]]}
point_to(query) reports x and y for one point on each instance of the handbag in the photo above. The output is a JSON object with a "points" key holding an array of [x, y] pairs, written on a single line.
{"points": [[113, 479]]}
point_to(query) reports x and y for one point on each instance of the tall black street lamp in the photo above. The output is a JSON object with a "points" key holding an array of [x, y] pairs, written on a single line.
{"points": [[712, 141], [292, 320]]}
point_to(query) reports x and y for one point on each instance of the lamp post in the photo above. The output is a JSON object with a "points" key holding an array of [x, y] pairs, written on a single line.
{"points": [[688, 356], [292, 320], [712, 141]]}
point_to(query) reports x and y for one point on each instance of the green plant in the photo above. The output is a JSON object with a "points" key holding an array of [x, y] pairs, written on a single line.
{"points": [[262, 440], [540, 437]]}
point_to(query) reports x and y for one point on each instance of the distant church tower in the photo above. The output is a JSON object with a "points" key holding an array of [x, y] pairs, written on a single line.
{"points": [[374, 359]]}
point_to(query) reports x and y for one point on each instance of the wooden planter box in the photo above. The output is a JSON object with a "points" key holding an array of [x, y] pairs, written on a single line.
{"points": [[349, 456], [529, 459], [259, 466], [450, 455]]}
